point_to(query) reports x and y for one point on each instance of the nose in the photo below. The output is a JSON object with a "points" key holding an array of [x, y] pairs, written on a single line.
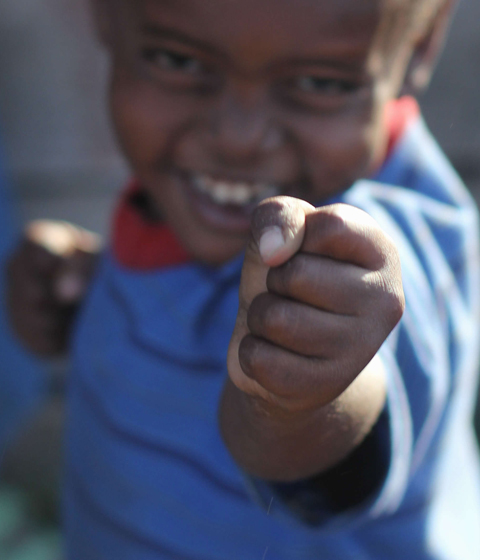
{"points": [[242, 130]]}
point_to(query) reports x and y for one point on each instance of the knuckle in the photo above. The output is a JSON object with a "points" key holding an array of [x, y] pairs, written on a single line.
{"points": [[247, 355], [397, 305], [334, 220], [296, 272], [276, 316], [328, 230], [289, 278], [388, 252], [279, 279], [393, 305]]}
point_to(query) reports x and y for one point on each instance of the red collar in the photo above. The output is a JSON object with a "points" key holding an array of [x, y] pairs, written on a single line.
{"points": [[144, 245], [399, 113], [140, 243]]}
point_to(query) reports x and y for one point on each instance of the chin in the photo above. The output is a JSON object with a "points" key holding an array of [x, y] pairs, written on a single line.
{"points": [[215, 257], [214, 253]]}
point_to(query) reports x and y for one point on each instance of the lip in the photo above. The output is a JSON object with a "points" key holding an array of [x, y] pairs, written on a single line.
{"points": [[228, 218], [223, 218]]}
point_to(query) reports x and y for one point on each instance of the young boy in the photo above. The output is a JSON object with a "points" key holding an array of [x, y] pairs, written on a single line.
{"points": [[270, 126]]}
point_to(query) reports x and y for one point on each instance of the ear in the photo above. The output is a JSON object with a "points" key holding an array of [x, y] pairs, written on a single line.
{"points": [[102, 18], [427, 49]]}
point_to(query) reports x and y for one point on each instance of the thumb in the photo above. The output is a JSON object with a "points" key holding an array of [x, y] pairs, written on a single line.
{"points": [[278, 229]]}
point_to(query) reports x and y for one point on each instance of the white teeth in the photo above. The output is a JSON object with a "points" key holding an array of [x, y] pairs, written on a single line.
{"points": [[238, 194], [221, 193], [241, 194]]}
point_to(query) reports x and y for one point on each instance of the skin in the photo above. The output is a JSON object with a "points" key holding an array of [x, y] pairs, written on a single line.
{"points": [[290, 93], [238, 109], [47, 278]]}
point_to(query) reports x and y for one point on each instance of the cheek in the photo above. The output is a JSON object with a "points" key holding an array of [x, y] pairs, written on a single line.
{"points": [[341, 151], [146, 122]]}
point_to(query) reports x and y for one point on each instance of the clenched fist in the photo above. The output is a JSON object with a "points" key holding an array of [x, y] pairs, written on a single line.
{"points": [[47, 278], [321, 290]]}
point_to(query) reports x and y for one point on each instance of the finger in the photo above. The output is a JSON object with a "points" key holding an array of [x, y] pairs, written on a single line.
{"points": [[278, 227], [348, 234], [324, 283], [292, 379], [76, 250], [72, 277], [62, 238], [300, 328]]}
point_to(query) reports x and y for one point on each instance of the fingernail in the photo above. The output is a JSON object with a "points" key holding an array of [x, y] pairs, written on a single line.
{"points": [[69, 288], [271, 242]]}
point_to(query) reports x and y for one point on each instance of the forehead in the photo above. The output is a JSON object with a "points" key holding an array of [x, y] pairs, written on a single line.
{"points": [[289, 26], [271, 12]]}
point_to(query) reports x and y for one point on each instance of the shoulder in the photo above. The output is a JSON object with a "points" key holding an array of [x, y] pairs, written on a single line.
{"points": [[432, 356], [418, 165], [418, 198]]}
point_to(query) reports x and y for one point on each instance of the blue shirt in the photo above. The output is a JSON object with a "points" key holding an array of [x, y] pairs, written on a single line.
{"points": [[148, 476]]}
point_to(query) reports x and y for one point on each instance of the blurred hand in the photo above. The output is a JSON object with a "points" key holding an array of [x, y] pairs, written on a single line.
{"points": [[47, 279], [321, 290]]}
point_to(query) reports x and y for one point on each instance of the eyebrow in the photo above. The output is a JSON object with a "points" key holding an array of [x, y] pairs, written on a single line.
{"points": [[159, 31]]}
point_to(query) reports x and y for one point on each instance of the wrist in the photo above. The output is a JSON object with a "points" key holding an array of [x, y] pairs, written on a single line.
{"points": [[280, 444]]}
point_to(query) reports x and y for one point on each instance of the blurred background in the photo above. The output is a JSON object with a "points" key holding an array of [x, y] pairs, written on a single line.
{"points": [[61, 162]]}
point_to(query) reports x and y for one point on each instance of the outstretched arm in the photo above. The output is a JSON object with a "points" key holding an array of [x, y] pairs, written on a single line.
{"points": [[321, 290]]}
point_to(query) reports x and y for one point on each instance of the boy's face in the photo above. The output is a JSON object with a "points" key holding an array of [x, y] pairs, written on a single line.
{"points": [[221, 103]]}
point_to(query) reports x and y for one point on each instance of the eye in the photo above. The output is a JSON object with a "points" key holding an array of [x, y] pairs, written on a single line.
{"points": [[324, 86], [173, 61]]}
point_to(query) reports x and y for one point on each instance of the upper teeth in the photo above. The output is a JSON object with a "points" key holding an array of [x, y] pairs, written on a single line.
{"points": [[228, 192]]}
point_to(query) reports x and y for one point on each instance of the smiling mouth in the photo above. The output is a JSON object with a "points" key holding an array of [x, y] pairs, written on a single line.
{"points": [[233, 193]]}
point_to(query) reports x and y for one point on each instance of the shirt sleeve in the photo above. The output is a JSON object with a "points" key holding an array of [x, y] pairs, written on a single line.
{"points": [[430, 358]]}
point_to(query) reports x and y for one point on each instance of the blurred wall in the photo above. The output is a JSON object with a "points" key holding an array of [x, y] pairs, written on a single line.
{"points": [[56, 135], [57, 138], [452, 104]]}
